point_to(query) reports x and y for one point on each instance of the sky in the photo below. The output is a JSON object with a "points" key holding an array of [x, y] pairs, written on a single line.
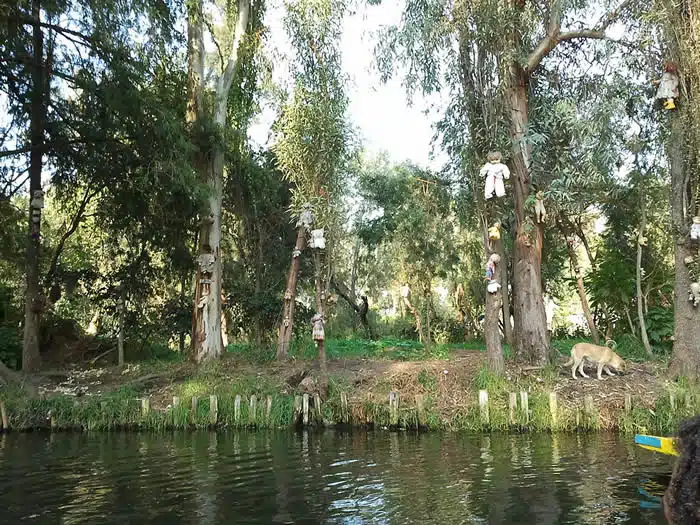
{"points": [[381, 113]]}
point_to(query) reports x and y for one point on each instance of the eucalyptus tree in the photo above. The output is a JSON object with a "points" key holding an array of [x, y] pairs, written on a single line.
{"points": [[313, 144], [520, 35], [210, 79], [680, 25]]}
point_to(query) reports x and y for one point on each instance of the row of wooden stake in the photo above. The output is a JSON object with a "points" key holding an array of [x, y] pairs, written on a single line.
{"points": [[304, 410]]}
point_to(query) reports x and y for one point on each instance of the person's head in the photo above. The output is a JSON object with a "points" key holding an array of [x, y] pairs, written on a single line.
{"points": [[682, 498]]}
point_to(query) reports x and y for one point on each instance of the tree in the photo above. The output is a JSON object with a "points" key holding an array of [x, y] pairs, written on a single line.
{"points": [[207, 114], [682, 141], [424, 35], [312, 145]]}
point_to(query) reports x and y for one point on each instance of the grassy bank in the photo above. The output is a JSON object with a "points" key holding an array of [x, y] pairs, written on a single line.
{"points": [[436, 390]]}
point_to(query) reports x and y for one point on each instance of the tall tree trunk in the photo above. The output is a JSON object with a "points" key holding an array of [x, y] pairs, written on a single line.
{"points": [[34, 303], [492, 333], [428, 304], [321, 294], [531, 339], [206, 319], [505, 295], [121, 311], [685, 360], [573, 258], [290, 296], [640, 297]]}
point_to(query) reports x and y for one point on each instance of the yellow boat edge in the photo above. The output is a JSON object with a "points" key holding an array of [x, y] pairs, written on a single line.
{"points": [[664, 445]]}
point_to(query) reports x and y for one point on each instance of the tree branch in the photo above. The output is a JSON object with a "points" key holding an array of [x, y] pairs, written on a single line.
{"points": [[75, 222], [226, 79], [344, 292], [554, 35]]}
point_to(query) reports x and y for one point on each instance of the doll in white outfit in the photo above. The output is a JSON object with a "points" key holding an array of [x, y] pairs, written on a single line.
{"points": [[495, 173]]}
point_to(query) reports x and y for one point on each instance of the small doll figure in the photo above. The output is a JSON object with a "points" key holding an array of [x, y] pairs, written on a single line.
{"points": [[495, 232], [306, 217], [493, 287], [317, 240], [695, 229], [317, 323], [491, 266], [495, 173], [668, 86], [540, 212], [694, 294]]}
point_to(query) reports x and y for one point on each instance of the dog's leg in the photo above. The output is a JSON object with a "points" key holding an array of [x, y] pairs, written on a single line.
{"points": [[608, 371], [573, 368], [580, 368], [600, 369]]}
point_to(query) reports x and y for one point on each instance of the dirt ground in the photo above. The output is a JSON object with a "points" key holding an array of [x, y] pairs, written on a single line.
{"points": [[452, 381]]}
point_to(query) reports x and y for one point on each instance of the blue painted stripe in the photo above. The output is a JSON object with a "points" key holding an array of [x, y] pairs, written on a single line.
{"points": [[649, 441]]}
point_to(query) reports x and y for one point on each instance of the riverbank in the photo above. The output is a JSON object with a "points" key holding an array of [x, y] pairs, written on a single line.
{"points": [[451, 393]]}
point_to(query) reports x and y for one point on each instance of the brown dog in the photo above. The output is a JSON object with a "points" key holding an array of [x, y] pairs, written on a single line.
{"points": [[602, 355]]}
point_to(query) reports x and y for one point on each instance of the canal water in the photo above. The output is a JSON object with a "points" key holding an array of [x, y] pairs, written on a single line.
{"points": [[334, 477]]}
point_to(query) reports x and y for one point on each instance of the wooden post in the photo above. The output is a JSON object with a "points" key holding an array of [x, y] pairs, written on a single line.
{"points": [[553, 408], [237, 410], [145, 406], [688, 400], [524, 406], [297, 409], [195, 406], [484, 406], [176, 402], [420, 408], [317, 407], [52, 419], [252, 409], [394, 408], [305, 409], [268, 410], [344, 412], [628, 404], [672, 401], [588, 406], [213, 410], [512, 406], [3, 416]]}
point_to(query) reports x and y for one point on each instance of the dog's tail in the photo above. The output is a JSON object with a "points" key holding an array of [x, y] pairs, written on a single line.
{"points": [[612, 345], [569, 362]]}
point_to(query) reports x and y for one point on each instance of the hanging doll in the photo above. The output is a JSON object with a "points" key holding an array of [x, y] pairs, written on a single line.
{"points": [[317, 239], [317, 323], [495, 173], [493, 285], [695, 229], [540, 212], [306, 217], [495, 232], [694, 294], [668, 86]]}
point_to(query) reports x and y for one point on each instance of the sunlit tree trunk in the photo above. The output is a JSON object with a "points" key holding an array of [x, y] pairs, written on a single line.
{"points": [[290, 296], [207, 342], [685, 360], [494, 303], [640, 295], [531, 340]]}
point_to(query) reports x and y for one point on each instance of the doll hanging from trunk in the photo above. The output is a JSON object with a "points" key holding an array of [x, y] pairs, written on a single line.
{"points": [[668, 86], [495, 172]]}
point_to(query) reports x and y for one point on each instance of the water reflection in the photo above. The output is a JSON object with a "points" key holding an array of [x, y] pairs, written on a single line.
{"points": [[330, 477]]}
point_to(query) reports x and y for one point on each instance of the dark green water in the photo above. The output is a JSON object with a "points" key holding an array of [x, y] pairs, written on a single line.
{"points": [[331, 477]]}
